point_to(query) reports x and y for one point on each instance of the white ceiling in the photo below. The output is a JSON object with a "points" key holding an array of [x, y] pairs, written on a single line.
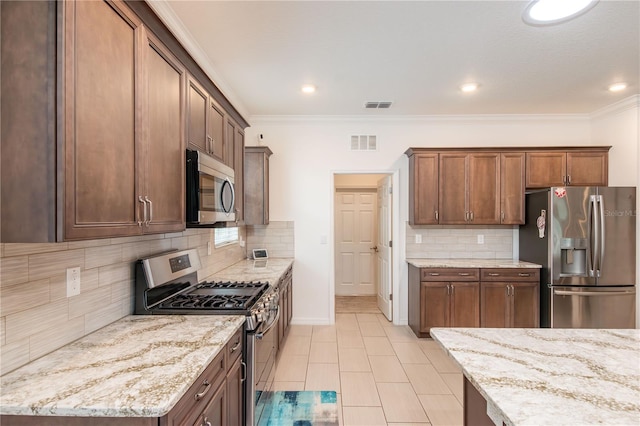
{"points": [[414, 53]]}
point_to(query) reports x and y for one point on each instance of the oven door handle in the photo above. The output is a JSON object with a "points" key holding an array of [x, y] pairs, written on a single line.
{"points": [[260, 335]]}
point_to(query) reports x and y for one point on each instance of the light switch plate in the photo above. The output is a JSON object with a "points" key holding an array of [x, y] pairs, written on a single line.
{"points": [[481, 239], [418, 239]]}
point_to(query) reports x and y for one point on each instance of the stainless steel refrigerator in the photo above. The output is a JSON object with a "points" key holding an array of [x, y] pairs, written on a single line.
{"points": [[585, 240]]}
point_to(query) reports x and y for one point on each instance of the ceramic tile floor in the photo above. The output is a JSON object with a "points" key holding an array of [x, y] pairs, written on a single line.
{"points": [[384, 374]]}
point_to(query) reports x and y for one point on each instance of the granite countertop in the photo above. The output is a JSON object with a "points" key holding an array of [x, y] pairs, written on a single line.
{"points": [[551, 376], [269, 270], [471, 263], [139, 366]]}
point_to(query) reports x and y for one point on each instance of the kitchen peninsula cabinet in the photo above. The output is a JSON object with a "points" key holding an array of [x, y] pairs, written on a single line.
{"points": [[443, 297], [510, 298], [256, 185], [580, 167]]}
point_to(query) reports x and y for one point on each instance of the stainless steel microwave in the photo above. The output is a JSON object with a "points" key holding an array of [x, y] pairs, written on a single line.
{"points": [[210, 190]]}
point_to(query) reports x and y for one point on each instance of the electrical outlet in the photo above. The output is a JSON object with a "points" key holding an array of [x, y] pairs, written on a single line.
{"points": [[480, 239], [208, 248], [73, 282], [418, 239]]}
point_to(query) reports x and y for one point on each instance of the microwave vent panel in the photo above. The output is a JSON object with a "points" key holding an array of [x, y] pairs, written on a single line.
{"points": [[364, 143]]}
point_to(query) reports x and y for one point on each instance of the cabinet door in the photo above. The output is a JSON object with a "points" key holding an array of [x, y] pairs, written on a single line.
{"points": [[545, 169], [162, 166], [423, 189], [525, 308], [587, 168], [483, 188], [465, 304], [100, 73], [234, 394], [453, 188], [215, 413], [197, 106], [494, 305], [434, 305], [512, 188], [215, 130]]}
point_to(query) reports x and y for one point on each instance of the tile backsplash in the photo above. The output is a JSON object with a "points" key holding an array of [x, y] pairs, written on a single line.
{"points": [[36, 317], [276, 237], [459, 242]]}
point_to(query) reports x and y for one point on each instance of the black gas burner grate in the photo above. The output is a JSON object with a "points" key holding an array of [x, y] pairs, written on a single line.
{"points": [[218, 301], [231, 284]]}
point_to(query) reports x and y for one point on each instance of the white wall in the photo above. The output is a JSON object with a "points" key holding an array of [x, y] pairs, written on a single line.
{"points": [[619, 125], [307, 151]]}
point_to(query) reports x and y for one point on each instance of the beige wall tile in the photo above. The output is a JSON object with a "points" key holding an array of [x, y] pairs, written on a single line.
{"points": [[3, 328], [14, 270], [50, 264], [363, 416], [358, 389], [23, 324], [180, 243], [24, 296], [387, 369], [89, 301], [123, 290], [103, 316], [322, 352], [137, 250], [19, 249], [322, 377], [49, 340], [88, 243], [101, 256], [442, 409], [353, 359], [400, 403], [14, 355], [115, 273]]}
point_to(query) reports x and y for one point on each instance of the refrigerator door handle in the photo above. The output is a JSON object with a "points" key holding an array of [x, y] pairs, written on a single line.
{"points": [[592, 293], [592, 245], [601, 237]]}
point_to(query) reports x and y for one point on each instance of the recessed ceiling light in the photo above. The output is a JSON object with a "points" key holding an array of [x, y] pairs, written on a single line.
{"points": [[550, 12], [469, 87], [617, 87], [308, 88]]}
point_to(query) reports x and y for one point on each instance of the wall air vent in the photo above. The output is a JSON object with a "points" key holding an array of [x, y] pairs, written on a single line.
{"points": [[378, 105], [364, 143]]}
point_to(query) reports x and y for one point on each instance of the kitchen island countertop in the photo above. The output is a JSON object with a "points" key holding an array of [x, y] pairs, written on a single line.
{"points": [[471, 263], [550, 376], [138, 366]]}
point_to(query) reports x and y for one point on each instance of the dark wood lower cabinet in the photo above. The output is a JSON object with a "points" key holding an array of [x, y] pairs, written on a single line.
{"points": [[470, 297], [286, 306], [475, 407], [215, 413], [235, 407]]}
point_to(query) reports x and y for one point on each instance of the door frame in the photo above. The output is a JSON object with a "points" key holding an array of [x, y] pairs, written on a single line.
{"points": [[395, 227]]}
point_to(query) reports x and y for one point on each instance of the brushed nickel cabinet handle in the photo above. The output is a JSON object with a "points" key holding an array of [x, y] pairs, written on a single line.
{"points": [[494, 274], [146, 199], [436, 214], [144, 203], [434, 274], [235, 348], [471, 215], [524, 274], [207, 385], [464, 274], [569, 179]]}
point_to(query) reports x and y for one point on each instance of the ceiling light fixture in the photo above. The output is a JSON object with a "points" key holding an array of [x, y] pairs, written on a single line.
{"points": [[469, 87], [617, 87], [308, 88], [550, 12]]}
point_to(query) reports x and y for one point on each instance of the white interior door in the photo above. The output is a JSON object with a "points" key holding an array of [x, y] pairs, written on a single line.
{"points": [[355, 238], [384, 252]]}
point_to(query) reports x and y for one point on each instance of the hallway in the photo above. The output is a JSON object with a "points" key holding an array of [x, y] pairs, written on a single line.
{"points": [[384, 374]]}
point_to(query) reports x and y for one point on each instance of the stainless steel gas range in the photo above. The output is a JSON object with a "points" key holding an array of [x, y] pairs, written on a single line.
{"points": [[167, 284]]}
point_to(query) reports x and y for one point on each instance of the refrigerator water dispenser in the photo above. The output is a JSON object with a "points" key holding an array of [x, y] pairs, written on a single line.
{"points": [[573, 257]]}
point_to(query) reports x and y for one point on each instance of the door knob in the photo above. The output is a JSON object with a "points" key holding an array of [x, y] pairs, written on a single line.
{"points": [[374, 248]]}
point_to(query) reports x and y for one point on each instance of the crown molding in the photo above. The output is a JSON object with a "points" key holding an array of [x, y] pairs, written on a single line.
{"points": [[184, 36], [626, 104]]}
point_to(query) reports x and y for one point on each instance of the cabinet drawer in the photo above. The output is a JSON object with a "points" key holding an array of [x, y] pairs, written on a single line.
{"points": [[449, 274], [510, 274], [234, 347], [199, 394]]}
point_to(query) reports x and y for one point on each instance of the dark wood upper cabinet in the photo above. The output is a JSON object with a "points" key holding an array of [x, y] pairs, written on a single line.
{"points": [[423, 183], [568, 167], [452, 190], [100, 144], [256, 185], [483, 185], [198, 101], [512, 188], [216, 131]]}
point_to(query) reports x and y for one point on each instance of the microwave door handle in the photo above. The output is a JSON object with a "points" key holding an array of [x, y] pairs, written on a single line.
{"points": [[233, 196]]}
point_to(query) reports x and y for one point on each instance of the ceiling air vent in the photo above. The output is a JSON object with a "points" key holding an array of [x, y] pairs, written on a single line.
{"points": [[364, 143], [378, 105]]}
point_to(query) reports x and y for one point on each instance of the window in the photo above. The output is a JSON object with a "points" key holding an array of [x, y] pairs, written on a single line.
{"points": [[225, 236]]}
